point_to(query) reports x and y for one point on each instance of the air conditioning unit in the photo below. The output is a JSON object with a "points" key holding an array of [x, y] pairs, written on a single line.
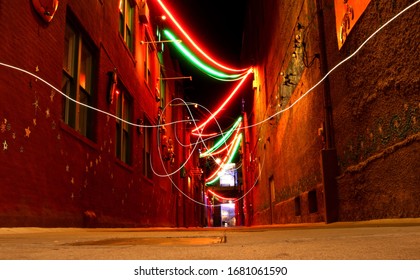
{"points": [[144, 12]]}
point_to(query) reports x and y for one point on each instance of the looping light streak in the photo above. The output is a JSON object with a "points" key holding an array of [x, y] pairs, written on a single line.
{"points": [[219, 196], [170, 15]]}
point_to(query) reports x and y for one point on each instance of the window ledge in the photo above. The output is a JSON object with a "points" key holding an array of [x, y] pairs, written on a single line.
{"points": [[148, 181], [124, 165], [75, 134]]}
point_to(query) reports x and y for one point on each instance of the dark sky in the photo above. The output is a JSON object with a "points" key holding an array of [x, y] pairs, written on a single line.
{"points": [[217, 25]]}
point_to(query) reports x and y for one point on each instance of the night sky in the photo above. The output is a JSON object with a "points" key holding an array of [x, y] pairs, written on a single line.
{"points": [[217, 27]]}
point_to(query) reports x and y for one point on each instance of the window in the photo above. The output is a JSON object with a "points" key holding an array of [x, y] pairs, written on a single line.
{"points": [[123, 131], [148, 56], [126, 23], [297, 206], [147, 151], [77, 82], [312, 201], [162, 91]]}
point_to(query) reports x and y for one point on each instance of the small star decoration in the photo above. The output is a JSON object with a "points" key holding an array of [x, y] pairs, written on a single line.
{"points": [[27, 132]]}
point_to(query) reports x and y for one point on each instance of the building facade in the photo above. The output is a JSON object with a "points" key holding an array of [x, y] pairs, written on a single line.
{"points": [[87, 132], [334, 130]]}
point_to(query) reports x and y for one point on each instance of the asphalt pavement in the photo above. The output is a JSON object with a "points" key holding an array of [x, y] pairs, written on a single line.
{"points": [[391, 239]]}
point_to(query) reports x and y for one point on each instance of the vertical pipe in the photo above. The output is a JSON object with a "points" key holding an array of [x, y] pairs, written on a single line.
{"points": [[246, 169], [329, 153], [329, 134]]}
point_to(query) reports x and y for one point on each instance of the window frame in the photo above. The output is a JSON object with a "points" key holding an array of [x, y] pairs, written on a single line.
{"points": [[149, 53], [77, 83], [123, 130], [126, 22], [147, 148]]}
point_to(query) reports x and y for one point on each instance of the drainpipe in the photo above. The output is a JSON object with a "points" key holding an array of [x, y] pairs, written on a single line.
{"points": [[246, 174], [329, 153]]}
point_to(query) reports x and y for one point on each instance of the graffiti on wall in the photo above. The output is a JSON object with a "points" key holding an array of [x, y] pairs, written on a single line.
{"points": [[347, 12], [385, 133]]}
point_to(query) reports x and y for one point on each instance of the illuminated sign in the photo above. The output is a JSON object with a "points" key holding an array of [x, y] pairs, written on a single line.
{"points": [[228, 175]]}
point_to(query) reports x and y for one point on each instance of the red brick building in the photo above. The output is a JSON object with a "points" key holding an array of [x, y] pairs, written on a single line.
{"points": [[86, 122], [347, 149]]}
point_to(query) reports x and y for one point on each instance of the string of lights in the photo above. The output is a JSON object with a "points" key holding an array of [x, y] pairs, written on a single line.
{"points": [[188, 37], [198, 63]]}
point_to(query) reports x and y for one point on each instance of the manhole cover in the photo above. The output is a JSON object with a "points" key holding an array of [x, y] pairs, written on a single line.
{"points": [[154, 241]]}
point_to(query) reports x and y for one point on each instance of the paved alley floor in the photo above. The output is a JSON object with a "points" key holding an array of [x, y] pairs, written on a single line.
{"points": [[371, 240]]}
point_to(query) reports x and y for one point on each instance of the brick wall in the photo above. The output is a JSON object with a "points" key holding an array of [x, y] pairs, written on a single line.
{"points": [[375, 105], [50, 174]]}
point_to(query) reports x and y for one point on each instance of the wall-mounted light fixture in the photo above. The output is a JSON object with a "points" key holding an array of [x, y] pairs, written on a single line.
{"points": [[112, 85], [160, 117], [254, 84], [46, 9], [140, 123]]}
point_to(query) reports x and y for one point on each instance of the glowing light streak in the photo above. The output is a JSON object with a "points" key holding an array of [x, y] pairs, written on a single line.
{"points": [[227, 147], [218, 152], [211, 180], [206, 135], [170, 15], [219, 196], [224, 161], [199, 64], [223, 139], [213, 115]]}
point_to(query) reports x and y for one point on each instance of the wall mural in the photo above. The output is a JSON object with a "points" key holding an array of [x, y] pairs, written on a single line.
{"points": [[347, 12]]}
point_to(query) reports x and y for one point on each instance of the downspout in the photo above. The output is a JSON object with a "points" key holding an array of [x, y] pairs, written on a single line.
{"points": [[329, 153], [246, 170]]}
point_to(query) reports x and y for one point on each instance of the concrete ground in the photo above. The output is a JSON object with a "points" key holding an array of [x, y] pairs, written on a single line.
{"points": [[397, 239]]}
